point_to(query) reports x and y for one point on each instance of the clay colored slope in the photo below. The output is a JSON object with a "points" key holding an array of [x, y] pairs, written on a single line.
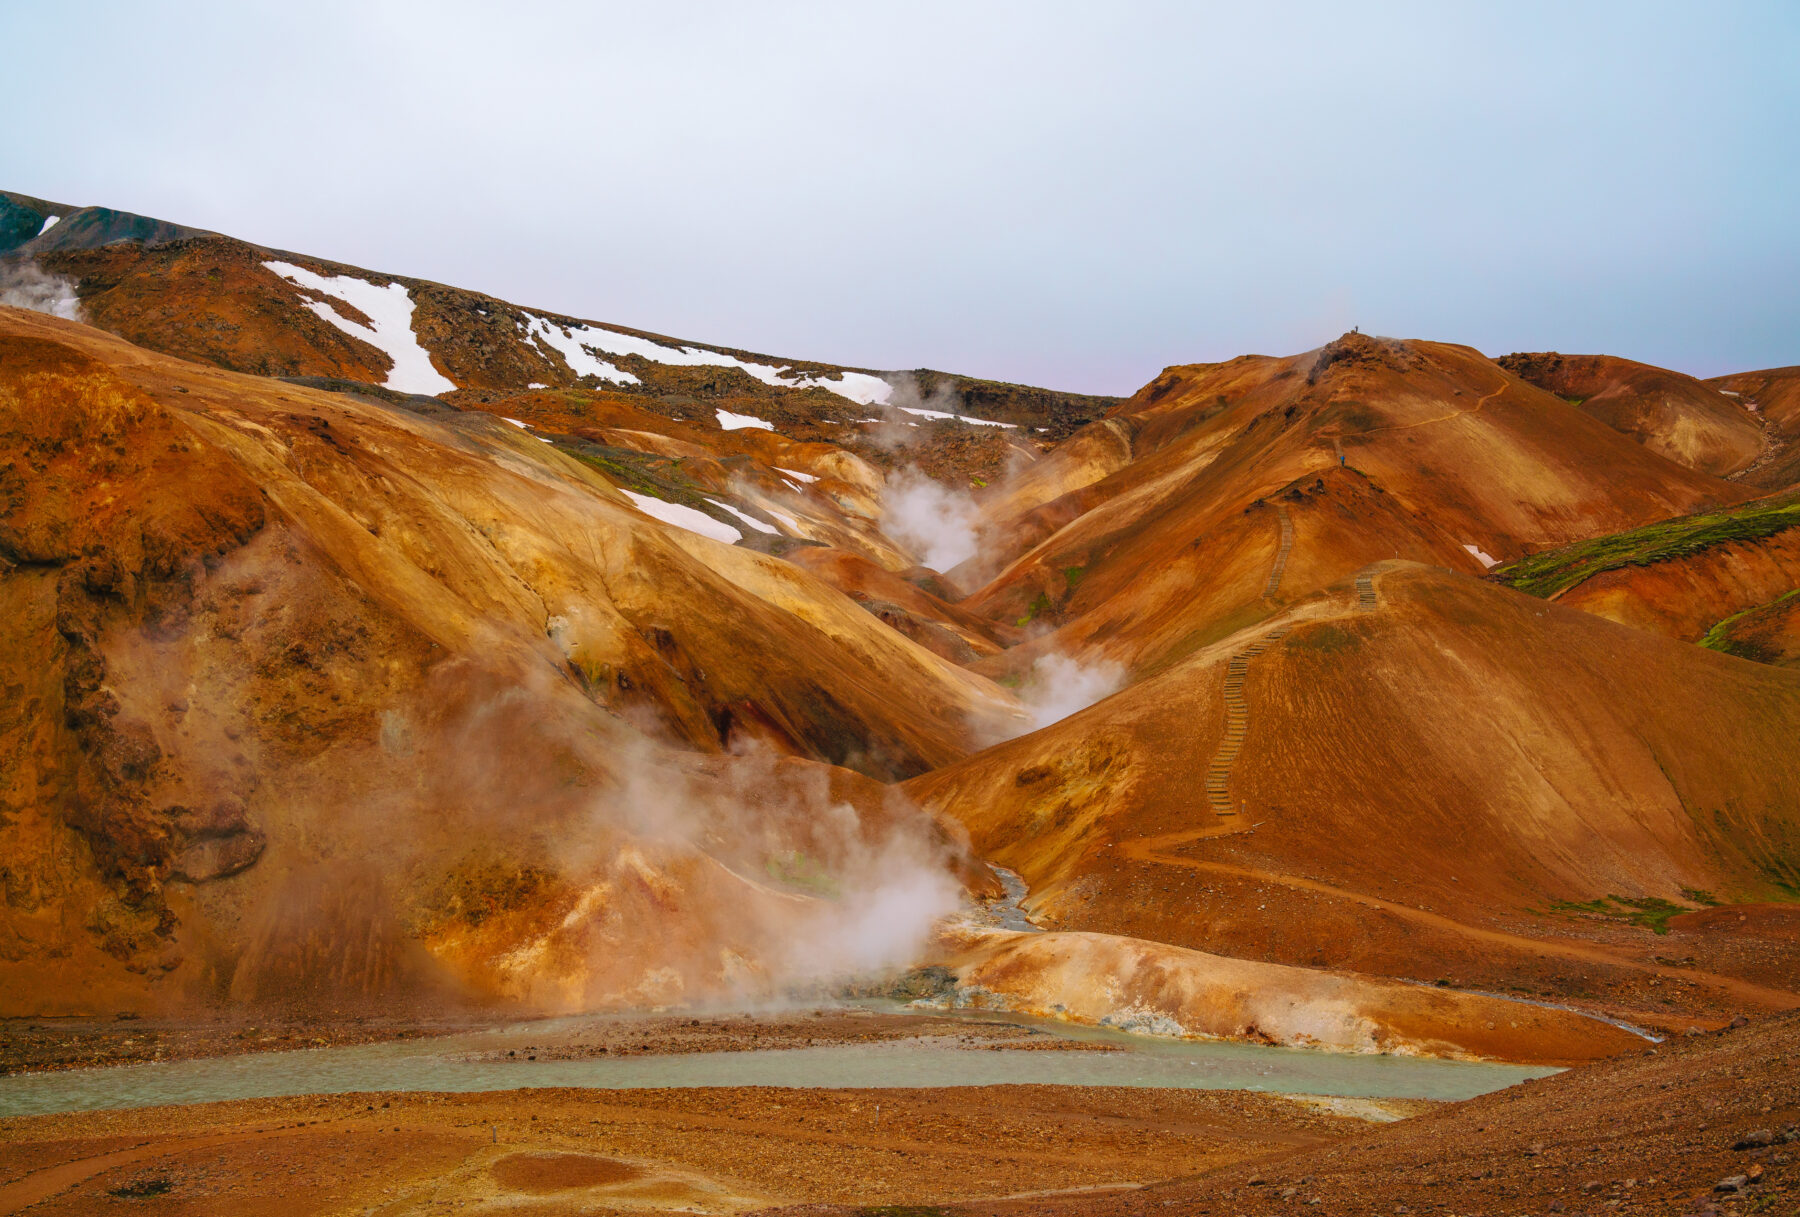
{"points": [[1687, 420], [1772, 395], [1088, 456], [319, 696], [1425, 775], [933, 623], [803, 493], [203, 296], [1159, 989], [1376, 449], [1685, 577], [221, 301]]}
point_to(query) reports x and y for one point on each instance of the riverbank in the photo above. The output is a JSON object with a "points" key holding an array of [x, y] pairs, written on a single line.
{"points": [[29, 1045]]}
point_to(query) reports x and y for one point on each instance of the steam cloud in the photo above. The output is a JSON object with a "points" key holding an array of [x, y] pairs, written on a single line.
{"points": [[940, 526], [1059, 685], [24, 285], [739, 879]]}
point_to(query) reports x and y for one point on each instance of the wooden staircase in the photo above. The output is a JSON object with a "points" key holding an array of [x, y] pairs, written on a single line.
{"points": [[1281, 552], [1237, 724]]}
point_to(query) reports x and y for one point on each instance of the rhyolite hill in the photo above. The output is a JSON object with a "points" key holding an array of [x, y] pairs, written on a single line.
{"points": [[372, 641]]}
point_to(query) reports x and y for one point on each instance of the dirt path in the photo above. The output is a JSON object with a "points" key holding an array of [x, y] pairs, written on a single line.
{"points": [[1474, 409], [1157, 850]]}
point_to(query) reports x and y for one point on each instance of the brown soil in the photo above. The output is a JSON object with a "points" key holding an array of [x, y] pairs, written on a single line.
{"points": [[539, 1173], [714, 1150]]}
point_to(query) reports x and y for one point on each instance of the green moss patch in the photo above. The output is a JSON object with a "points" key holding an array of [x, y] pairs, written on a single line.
{"points": [[1555, 571], [1650, 912], [1722, 637]]}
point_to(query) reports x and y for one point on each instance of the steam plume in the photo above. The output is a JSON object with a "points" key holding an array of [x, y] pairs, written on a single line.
{"points": [[24, 285], [937, 524], [1059, 685]]}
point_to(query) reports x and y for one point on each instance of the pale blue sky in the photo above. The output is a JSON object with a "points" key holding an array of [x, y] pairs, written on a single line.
{"points": [[1074, 195]]}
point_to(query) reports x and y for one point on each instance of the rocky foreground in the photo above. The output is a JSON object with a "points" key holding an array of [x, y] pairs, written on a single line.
{"points": [[1703, 1124]]}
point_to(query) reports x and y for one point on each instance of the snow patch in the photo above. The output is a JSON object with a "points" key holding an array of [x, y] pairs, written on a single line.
{"points": [[581, 342], [568, 343], [795, 473], [961, 418], [537, 385], [390, 312], [747, 518], [1486, 560], [49, 223], [684, 517], [738, 422], [515, 422], [790, 521]]}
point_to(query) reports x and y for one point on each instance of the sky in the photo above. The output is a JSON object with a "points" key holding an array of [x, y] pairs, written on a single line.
{"points": [[1057, 194]]}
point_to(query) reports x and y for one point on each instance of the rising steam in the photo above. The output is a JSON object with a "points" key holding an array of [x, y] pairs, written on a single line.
{"points": [[940, 526], [24, 285], [1059, 685]]}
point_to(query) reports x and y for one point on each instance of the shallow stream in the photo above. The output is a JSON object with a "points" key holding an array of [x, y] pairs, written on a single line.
{"points": [[464, 1063]]}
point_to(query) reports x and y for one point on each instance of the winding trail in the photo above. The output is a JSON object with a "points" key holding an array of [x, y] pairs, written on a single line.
{"points": [[1474, 409], [1160, 851]]}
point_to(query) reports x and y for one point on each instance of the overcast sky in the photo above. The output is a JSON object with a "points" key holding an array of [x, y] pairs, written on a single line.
{"points": [[1050, 193]]}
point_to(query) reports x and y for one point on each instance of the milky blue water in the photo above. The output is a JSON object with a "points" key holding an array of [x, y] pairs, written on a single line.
{"points": [[465, 1062]]}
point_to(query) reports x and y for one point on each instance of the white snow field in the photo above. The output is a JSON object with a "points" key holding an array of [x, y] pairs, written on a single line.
{"points": [[390, 310], [961, 418], [580, 359], [795, 473], [747, 518], [684, 517], [1487, 560], [737, 422], [49, 223], [580, 346]]}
